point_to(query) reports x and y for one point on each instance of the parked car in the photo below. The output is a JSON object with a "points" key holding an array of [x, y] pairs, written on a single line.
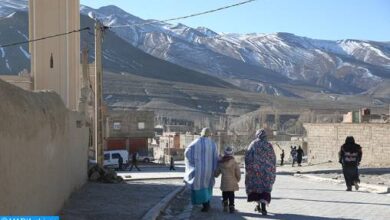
{"points": [[145, 158], [111, 158]]}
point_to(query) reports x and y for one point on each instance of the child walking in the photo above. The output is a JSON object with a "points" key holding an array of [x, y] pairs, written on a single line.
{"points": [[231, 175]]}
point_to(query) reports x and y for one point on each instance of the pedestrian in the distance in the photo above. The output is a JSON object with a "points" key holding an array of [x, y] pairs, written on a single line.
{"points": [[350, 156], [172, 164], [260, 167], [282, 158], [201, 158], [231, 175], [293, 155], [120, 162], [134, 158], [300, 155]]}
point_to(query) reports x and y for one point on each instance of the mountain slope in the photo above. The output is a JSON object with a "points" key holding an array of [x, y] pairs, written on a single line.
{"points": [[346, 66], [118, 55], [279, 64]]}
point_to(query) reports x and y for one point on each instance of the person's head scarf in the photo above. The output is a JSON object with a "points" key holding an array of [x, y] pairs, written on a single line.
{"points": [[261, 134], [205, 132], [349, 140]]}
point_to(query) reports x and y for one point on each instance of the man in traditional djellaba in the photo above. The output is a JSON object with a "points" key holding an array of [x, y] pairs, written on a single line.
{"points": [[201, 159]]}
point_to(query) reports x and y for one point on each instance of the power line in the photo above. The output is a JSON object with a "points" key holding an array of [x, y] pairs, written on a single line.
{"points": [[184, 17], [43, 38]]}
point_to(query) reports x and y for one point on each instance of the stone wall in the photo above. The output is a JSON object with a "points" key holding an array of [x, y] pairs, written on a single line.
{"points": [[325, 140], [43, 152]]}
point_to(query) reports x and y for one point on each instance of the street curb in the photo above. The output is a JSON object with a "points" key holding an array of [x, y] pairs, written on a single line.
{"points": [[369, 187], [155, 212], [154, 178]]}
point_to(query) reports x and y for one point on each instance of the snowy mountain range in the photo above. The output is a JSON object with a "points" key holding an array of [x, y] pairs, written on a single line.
{"points": [[257, 61], [280, 64]]}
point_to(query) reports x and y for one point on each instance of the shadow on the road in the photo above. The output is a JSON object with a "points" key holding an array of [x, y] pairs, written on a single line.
{"points": [[115, 201], [285, 173], [332, 201], [384, 170], [330, 190], [242, 215], [154, 169]]}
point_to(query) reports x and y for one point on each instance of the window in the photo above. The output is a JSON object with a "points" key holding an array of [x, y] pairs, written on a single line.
{"points": [[141, 125], [115, 156], [116, 126], [106, 156], [51, 61]]}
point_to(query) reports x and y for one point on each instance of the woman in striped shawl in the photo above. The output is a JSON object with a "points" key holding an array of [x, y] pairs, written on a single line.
{"points": [[201, 160]]}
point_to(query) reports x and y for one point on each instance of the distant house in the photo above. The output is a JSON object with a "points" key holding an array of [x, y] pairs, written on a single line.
{"points": [[364, 116], [129, 130]]}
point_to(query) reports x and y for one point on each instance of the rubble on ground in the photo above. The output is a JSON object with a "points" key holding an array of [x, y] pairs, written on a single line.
{"points": [[99, 174]]}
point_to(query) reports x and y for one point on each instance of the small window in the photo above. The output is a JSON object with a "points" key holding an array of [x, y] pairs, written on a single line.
{"points": [[141, 125], [51, 61], [116, 126], [115, 156], [106, 156]]}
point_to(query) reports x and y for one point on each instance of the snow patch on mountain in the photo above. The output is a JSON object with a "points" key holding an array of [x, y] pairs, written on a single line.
{"points": [[25, 37], [2, 52], [25, 53], [7, 65]]}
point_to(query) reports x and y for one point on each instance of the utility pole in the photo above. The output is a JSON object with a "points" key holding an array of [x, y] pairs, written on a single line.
{"points": [[99, 28]]}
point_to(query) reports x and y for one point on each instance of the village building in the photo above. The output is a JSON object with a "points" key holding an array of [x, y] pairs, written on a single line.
{"points": [[129, 130]]}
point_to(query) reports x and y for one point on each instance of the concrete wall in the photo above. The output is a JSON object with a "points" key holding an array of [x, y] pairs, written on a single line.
{"points": [[25, 81], [325, 140], [43, 152]]}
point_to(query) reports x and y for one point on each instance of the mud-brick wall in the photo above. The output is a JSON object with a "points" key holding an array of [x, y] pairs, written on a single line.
{"points": [[325, 140], [43, 152]]}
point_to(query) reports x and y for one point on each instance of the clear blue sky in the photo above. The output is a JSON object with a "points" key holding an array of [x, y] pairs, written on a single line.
{"points": [[321, 19]]}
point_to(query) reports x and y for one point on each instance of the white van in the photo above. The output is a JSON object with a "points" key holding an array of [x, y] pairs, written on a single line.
{"points": [[111, 158]]}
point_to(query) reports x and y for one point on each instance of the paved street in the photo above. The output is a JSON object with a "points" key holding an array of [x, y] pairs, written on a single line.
{"points": [[296, 198], [293, 198], [117, 201]]}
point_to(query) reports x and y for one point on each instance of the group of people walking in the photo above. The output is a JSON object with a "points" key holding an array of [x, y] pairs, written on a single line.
{"points": [[296, 155], [133, 162], [203, 164]]}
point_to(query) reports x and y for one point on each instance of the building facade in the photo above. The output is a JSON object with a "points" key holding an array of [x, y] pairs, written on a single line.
{"points": [[129, 130]]}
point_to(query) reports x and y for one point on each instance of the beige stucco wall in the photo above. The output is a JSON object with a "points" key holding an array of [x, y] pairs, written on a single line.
{"points": [[51, 17], [324, 141], [43, 154], [25, 82]]}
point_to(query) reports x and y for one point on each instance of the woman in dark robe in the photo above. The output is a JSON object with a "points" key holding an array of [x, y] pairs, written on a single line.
{"points": [[350, 156]]}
